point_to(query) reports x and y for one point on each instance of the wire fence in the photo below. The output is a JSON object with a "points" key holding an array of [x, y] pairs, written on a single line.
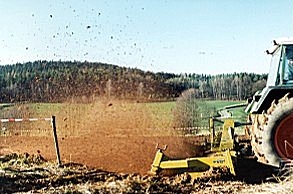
{"points": [[15, 130], [24, 127]]}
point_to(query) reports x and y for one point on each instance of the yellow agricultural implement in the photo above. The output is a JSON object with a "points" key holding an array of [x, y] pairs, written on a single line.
{"points": [[222, 153]]}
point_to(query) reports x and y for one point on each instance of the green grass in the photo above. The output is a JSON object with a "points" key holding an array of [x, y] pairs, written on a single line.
{"points": [[214, 105], [72, 118], [163, 109], [211, 108], [161, 113]]}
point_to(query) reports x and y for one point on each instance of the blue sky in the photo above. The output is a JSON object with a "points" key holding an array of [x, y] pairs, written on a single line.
{"points": [[176, 36]]}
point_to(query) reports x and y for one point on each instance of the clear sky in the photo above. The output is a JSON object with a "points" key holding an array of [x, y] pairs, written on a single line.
{"points": [[176, 36]]}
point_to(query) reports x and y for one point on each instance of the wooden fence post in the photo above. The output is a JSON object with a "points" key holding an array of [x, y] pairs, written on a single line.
{"points": [[56, 140]]}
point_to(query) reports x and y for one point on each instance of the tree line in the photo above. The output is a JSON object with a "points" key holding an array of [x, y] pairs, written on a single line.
{"points": [[59, 81], [236, 86]]}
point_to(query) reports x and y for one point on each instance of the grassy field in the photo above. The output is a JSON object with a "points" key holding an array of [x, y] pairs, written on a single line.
{"points": [[78, 119]]}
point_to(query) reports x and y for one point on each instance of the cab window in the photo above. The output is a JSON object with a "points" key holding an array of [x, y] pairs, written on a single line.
{"points": [[288, 64]]}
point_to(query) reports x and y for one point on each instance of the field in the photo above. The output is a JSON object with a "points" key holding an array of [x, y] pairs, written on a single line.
{"points": [[116, 137]]}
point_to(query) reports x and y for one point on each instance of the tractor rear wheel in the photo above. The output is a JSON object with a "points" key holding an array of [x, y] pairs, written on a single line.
{"points": [[272, 134]]}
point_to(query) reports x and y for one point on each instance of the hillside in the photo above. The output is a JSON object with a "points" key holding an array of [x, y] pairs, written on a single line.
{"points": [[57, 81]]}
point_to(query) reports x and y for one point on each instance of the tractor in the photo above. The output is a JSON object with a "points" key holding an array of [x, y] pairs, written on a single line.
{"points": [[271, 110], [269, 126]]}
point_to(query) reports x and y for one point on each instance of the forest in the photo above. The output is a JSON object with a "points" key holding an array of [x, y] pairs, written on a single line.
{"points": [[60, 81]]}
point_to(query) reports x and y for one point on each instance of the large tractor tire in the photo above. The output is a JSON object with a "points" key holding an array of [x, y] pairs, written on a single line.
{"points": [[272, 133]]}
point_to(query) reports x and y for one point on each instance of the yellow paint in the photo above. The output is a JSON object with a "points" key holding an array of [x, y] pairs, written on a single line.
{"points": [[221, 156], [195, 166]]}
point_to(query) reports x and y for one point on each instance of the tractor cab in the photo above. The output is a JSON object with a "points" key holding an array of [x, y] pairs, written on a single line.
{"points": [[280, 78], [281, 71]]}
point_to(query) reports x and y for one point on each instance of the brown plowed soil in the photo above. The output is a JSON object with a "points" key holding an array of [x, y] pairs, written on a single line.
{"points": [[127, 154], [114, 136]]}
